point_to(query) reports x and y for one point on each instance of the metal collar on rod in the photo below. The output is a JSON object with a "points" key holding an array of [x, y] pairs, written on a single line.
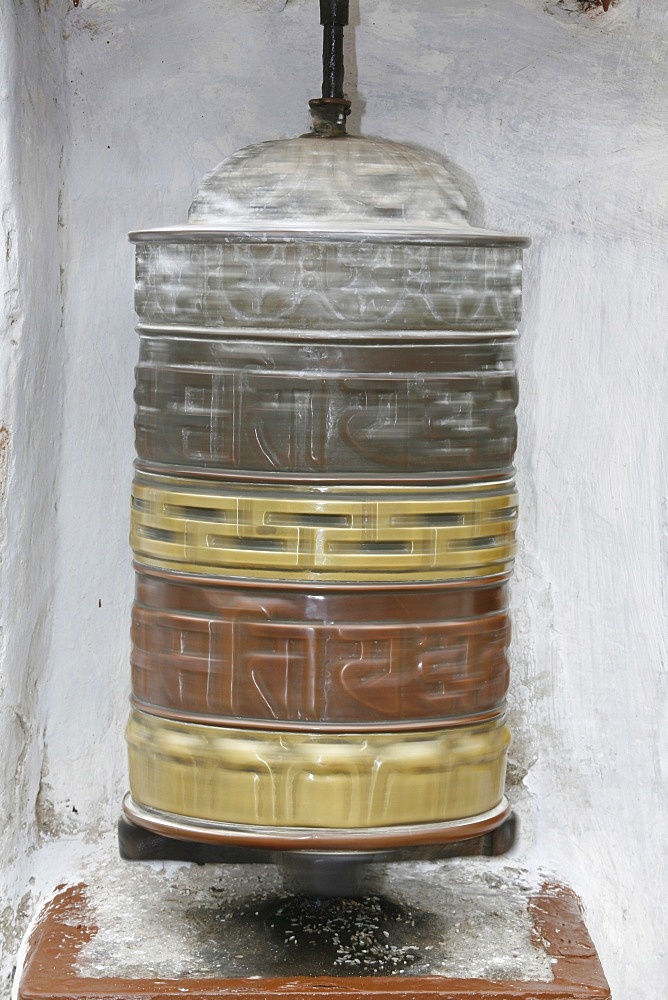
{"points": [[329, 112]]}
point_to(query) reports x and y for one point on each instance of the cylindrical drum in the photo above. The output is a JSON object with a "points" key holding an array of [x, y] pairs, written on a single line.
{"points": [[323, 511]]}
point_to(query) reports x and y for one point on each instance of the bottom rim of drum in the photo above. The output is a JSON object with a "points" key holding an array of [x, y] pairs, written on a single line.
{"points": [[316, 780], [302, 838], [390, 725]]}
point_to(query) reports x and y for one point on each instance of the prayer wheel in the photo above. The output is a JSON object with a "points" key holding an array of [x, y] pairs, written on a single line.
{"points": [[323, 511]]}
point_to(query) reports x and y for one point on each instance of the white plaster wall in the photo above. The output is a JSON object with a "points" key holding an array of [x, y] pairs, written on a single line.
{"points": [[33, 355], [557, 120]]}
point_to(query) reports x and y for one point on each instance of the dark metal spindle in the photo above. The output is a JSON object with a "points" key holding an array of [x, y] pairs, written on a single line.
{"points": [[333, 17], [329, 112]]}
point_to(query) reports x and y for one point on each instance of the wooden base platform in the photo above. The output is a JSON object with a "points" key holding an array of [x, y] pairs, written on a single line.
{"points": [[250, 939]]}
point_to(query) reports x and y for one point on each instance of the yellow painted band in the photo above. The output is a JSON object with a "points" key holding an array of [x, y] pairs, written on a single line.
{"points": [[325, 534], [315, 780]]}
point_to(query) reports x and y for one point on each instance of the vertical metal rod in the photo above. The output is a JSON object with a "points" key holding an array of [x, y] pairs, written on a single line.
{"points": [[332, 61], [333, 17]]}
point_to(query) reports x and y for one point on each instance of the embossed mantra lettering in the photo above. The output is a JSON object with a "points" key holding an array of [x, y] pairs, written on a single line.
{"points": [[293, 422], [314, 671]]}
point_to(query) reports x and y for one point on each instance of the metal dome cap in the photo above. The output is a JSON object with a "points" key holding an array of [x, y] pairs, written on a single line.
{"points": [[333, 183], [328, 185], [346, 183]]}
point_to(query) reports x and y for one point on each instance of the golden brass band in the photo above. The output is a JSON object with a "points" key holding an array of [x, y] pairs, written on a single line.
{"points": [[325, 534], [316, 780]]}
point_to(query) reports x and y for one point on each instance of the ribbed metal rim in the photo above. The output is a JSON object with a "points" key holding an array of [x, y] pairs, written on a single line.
{"points": [[317, 586], [373, 336], [352, 479], [321, 728], [368, 336], [300, 838], [341, 491], [262, 234]]}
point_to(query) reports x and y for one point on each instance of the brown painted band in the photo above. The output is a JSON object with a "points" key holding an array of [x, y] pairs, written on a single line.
{"points": [[181, 592], [256, 658]]}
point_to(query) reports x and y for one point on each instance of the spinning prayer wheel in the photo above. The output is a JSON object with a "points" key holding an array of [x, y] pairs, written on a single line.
{"points": [[323, 513]]}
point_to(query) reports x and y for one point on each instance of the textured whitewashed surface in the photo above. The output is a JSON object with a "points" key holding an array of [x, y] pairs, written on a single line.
{"points": [[439, 919], [111, 113], [173, 920]]}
